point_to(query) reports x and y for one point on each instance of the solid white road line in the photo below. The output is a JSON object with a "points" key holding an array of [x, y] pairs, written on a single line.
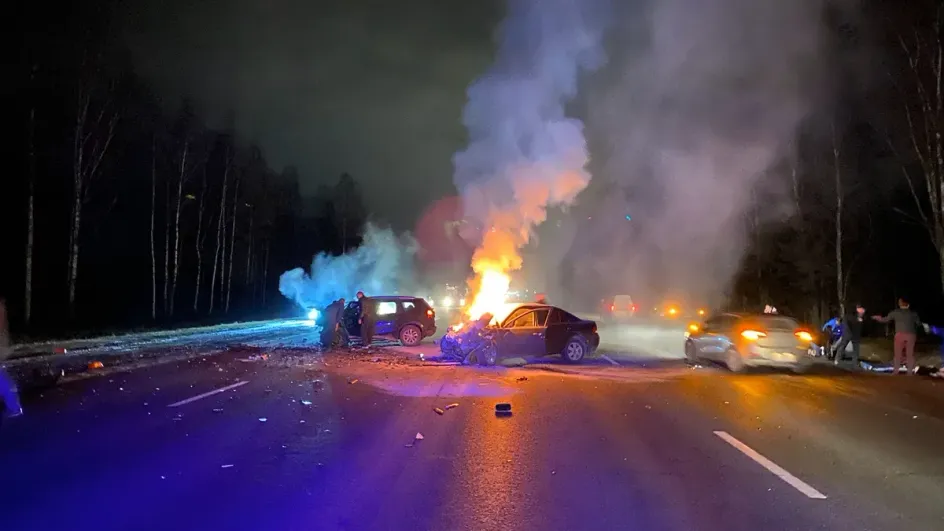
{"points": [[208, 393], [791, 480], [609, 359]]}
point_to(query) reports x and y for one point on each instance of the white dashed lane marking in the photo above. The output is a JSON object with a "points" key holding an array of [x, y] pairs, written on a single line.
{"points": [[208, 393], [774, 469]]}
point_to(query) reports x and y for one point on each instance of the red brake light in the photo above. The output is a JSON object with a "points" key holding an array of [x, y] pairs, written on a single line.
{"points": [[634, 307], [430, 313], [612, 307]]}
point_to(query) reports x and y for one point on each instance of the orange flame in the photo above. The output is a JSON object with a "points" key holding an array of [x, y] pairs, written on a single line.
{"points": [[534, 188]]}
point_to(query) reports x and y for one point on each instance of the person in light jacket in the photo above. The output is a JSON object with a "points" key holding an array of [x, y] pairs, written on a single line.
{"points": [[906, 333]]}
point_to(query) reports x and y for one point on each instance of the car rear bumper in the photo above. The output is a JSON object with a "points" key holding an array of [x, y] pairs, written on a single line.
{"points": [[594, 342], [429, 330], [764, 357]]}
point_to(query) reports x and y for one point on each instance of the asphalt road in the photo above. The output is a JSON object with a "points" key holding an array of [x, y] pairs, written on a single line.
{"points": [[636, 440]]}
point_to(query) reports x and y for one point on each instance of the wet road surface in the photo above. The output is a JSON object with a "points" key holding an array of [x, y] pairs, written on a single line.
{"points": [[638, 441]]}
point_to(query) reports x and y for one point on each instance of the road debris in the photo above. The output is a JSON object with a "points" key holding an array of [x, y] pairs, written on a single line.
{"points": [[227, 466], [439, 411], [419, 437], [452, 405], [354, 381], [218, 410], [306, 402], [503, 409], [263, 419], [521, 379], [96, 365]]}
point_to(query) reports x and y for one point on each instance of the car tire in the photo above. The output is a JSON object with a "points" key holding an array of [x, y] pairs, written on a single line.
{"points": [[410, 335], [575, 349], [691, 353], [734, 361]]}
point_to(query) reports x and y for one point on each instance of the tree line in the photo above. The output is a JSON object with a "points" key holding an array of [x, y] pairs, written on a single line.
{"points": [[866, 178], [122, 210]]}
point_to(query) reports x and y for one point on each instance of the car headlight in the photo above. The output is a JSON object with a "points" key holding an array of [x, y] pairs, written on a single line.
{"points": [[313, 314], [447, 302]]}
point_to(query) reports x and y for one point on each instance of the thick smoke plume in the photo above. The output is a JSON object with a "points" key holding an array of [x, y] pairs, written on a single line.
{"points": [[700, 117], [382, 265], [525, 154]]}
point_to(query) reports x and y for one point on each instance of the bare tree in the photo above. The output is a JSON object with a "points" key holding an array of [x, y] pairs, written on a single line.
{"points": [[183, 174], [220, 235], [232, 243], [94, 130], [30, 212], [840, 194], [265, 271], [200, 239], [153, 206], [923, 93], [167, 217]]}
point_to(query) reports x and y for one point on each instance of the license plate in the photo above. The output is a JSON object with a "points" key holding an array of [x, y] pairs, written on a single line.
{"points": [[784, 356]]}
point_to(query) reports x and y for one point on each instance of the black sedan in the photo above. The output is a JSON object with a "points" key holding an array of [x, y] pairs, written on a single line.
{"points": [[533, 329]]}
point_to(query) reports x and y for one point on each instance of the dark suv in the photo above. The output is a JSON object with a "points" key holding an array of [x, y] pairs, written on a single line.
{"points": [[409, 319]]}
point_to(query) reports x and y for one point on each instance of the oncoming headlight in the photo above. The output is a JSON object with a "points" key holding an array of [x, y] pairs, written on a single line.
{"points": [[313, 314], [447, 302]]}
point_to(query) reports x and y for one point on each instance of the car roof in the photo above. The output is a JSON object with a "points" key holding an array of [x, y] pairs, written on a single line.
{"points": [[394, 297], [756, 315]]}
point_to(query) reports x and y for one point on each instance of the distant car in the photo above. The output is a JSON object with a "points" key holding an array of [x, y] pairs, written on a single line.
{"points": [[408, 319], [619, 308], [533, 329], [750, 340]]}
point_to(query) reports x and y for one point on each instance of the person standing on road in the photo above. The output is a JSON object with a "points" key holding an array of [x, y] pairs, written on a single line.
{"points": [[906, 333], [367, 318], [330, 330], [8, 391], [851, 333]]}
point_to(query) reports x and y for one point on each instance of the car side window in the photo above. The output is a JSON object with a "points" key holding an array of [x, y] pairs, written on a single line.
{"points": [[514, 315], [540, 317], [386, 308], [407, 306], [727, 322], [713, 323], [525, 321], [554, 317]]}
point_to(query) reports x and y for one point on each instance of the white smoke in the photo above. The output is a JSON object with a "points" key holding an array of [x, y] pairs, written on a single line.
{"points": [[700, 115], [525, 154], [381, 265]]}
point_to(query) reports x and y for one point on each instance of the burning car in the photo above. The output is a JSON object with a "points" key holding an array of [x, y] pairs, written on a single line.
{"points": [[522, 330]]}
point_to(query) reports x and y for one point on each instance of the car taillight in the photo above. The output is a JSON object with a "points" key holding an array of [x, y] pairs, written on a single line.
{"points": [[612, 307], [633, 307], [753, 335], [430, 313], [804, 336], [594, 328]]}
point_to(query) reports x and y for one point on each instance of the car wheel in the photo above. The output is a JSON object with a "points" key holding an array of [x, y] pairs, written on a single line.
{"points": [[411, 335], [575, 349], [734, 361], [691, 353]]}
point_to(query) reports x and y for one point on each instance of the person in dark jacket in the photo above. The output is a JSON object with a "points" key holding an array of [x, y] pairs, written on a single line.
{"points": [[851, 333], [906, 334], [332, 318], [367, 319]]}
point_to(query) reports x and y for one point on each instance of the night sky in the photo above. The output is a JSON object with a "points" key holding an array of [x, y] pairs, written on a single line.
{"points": [[373, 88]]}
